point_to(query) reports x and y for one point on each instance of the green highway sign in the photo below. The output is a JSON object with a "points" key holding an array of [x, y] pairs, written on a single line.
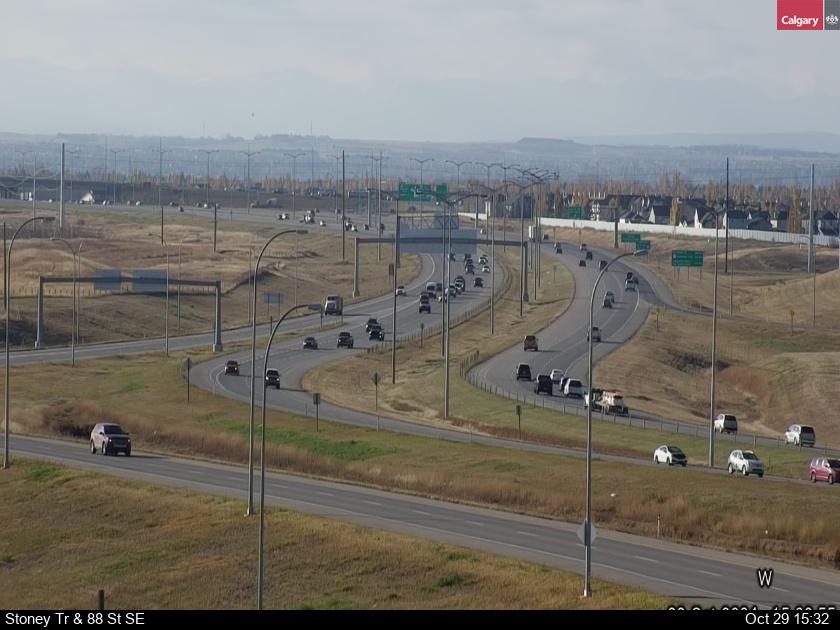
{"points": [[687, 258], [631, 238], [642, 245], [441, 191], [415, 192], [575, 212]]}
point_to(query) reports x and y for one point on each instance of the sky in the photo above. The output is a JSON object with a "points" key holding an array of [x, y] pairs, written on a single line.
{"points": [[430, 70]]}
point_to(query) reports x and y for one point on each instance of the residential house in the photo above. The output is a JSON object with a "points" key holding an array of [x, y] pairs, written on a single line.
{"points": [[736, 220]]}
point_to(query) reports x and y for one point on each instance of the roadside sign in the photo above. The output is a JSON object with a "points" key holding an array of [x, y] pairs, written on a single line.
{"points": [[272, 297], [581, 533], [415, 192], [375, 378], [575, 212], [630, 238], [316, 399], [642, 245], [687, 258]]}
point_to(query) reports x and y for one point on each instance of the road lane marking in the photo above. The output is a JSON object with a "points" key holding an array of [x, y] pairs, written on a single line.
{"points": [[475, 523], [532, 534], [422, 513], [712, 573], [647, 559], [371, 502], [783, 590]]}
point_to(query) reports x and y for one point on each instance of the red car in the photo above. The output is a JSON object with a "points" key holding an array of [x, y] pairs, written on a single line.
{"points": [[530, 343], [824, 469]]}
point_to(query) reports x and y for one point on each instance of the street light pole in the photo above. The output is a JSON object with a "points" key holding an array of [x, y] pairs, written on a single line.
{"points": [[458, 166], [207, 152], [249, 153], [116, 152], [421, 163], [254, 369], [294, 157], [7, 281], [337, 159], [73, 318], [160, 182], [260, 567], [587, 523], [714, 350]]}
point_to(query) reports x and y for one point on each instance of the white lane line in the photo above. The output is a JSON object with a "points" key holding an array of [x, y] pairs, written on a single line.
{"points": [[475, 523], [371, 502], [422, 513], [712, 573], [532, 534], [647, 559], [783, 590], [324, 494]]}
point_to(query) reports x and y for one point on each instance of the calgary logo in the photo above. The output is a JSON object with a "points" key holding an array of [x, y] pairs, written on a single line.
{"points": [[799, 15], [831, 20]]}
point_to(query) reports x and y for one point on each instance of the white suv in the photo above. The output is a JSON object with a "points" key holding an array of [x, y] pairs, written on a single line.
{"points": [[745, 462]]}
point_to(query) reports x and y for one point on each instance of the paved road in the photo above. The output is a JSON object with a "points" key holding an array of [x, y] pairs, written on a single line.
{"points": [[707, 577]]}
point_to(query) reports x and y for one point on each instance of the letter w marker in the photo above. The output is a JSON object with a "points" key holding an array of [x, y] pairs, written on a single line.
{"points": [[764, 577]]}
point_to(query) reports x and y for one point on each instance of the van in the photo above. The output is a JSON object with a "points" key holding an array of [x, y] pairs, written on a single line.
{"points": [[726, 423], [431, 288]]}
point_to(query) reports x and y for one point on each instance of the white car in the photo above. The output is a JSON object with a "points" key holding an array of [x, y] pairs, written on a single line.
{"points": [[322, 223], [485, 269], [745, 462], [401, 290], [671, 455], [555, 375]]}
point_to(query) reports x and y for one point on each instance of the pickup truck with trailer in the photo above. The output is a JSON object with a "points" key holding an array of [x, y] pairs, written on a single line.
{"points": [[608, 401]]}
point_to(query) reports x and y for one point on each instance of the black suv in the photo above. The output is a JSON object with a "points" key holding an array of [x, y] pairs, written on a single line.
{"points": [[478, 282], [345, 340], [272, 378], [310, 343], [523, 372], [425, 307], [544, 385], [371, 323], [232, 367]]}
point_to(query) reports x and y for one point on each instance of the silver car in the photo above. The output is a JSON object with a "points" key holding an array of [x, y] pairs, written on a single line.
{"points": [[109, 439], [745, 462]]}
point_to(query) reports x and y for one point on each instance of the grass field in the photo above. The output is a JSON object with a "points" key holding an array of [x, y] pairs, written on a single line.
{"points": [[71, 533], [304, 268], [146, 395]]}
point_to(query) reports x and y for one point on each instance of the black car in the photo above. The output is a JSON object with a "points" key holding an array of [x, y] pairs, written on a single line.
{"points": [[523, 372], [478, 282], [588, 255], [544, 385], [272, 378], [345, 340], [232, 367], [558, 249], [377, 334], [582, 263], [310, 343], [425, 308], [371, 323], [470, 270], [602, 264]]}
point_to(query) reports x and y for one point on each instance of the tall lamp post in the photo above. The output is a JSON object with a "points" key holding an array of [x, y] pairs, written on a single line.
{"points": [[587, 524], [249, 153], [160, 184], [421, 163], [294, 157], [714, 348], [7, 281], [260, 567], [70, 171], [73, 322], [116, 152], [337, 159], [458, 166], [254, 370], [166, 304], [207, 152]]}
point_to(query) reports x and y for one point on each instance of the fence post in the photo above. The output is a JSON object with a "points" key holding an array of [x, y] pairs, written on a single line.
{"points": [[101, 599]]}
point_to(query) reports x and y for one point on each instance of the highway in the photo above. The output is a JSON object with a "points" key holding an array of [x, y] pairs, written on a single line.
{"points": [[704, 576]]}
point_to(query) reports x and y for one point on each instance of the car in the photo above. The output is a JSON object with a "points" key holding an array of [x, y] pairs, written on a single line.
{"points": [[425, 308], [824, 469], [610, 295], [629, 276], [800, 435], [353, 228], [530, 343], [310, 343], [109, 438], [345, 340], [544, 385], [460, 279], [483, 259], [558, 248], [485, 269], [745, 462], [322, 223], [596, 334], [629, 285], [671, 455], [272, 378], [470, 270], [401, 290], [582, 263], [424, 299], [376, 334], [602, 264], [726, 423], [523, 372], [588, 255], [555, 375], [573, 388], [478, 282], [371, 323], [232, 367], [583, 247], [608, 303]]}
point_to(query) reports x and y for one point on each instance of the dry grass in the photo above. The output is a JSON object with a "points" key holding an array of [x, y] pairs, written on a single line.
{"points": [[157, 548], [303, 267], [146, 395]]}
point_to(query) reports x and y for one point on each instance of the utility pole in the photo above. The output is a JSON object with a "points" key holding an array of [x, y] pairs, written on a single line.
{"points": [[343, 208], [421, 162], [812, 266], [294, 157], [249, 153], [726, 227]]}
